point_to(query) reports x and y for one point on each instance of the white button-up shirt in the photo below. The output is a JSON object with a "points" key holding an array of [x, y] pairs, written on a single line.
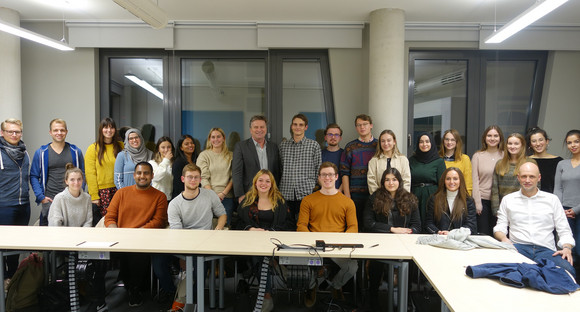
{"points": [[532, 220]]}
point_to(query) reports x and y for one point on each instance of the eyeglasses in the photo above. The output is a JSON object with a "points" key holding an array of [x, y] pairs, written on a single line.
{"points": [[13, 132], [360, 125], [192, 178], [333, 135], [327, 175]]}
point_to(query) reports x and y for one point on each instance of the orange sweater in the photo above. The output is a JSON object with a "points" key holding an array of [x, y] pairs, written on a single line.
{"points": [[327, 213], [133, 208]]}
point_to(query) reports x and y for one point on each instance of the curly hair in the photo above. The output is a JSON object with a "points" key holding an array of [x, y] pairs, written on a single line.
{"points": [[384, 201]]}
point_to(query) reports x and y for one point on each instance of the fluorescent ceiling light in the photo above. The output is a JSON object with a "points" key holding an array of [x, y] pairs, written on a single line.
{"points": [[534, 13], [145, 85], [27, 34]]}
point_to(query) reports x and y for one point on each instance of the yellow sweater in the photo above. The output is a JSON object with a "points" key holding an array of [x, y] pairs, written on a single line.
{"points": [[464, 164], [327, 213], [99, 176]]}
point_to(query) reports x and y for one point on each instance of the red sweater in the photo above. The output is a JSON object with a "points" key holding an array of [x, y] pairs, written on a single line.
{"points": [[134, 208]]}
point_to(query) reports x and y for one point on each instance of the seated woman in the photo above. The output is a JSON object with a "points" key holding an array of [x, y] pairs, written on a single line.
{"points": [[391, 209], [264, 209], [450, 207], [73, 207]]}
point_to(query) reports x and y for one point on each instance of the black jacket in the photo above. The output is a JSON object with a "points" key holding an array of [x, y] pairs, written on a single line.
{"points": [[379, 223], [468, 221]]}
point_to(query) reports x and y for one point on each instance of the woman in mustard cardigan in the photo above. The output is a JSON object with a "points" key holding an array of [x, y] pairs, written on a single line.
{"points": [[99, 166]]}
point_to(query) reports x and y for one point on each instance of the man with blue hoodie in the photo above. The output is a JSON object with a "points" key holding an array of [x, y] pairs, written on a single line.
{"points": [[48, 166], [14, 163]]}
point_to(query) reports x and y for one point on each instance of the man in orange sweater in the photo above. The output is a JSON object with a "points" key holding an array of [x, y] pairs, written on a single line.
{"points": [[328, 210], [137, 206]]}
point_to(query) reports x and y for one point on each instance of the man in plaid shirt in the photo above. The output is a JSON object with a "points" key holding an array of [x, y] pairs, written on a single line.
{"points": [[300, 157]]}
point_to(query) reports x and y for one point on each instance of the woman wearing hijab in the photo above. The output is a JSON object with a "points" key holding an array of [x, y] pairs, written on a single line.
{"points": [[426, 169], [133, 153]]}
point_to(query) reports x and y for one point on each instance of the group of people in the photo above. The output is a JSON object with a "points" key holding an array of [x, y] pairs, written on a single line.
{"points": [[368, 186]]}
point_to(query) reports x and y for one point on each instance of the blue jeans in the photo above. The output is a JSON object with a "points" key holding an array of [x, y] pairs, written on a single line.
{"points": [[229, 205], [538, 252], [575, 227]]}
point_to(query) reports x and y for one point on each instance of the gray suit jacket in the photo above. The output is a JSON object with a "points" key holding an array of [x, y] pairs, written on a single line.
{"points": [[245, 164]]}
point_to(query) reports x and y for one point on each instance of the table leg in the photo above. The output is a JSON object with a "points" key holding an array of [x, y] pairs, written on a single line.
{"points": [[200, 283], [2, 290], [391, 291], [189, 305], [403, 286], [221, 284], [212, 284]]}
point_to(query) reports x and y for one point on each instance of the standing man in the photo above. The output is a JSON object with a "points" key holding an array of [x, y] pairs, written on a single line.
{"points": [[300, 158], [328, 210], [532, 217], [48, 166], [14, 202], [333, 152], [354, 164], [137, 206], [254, 154]]}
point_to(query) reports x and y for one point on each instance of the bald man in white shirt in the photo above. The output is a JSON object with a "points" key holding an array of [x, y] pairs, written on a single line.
{"points": [[532, 216]]}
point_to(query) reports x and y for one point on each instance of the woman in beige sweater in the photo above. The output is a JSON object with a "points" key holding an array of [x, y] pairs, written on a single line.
{"points": [[216, 169]]}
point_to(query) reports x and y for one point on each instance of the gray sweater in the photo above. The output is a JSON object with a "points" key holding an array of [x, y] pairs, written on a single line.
{"points": [[195, 213], [67, 210], [567, 185]]}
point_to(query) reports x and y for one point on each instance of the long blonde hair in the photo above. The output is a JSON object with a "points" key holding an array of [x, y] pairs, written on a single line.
{"points": [[225, 151], [503, 166], [274, 194]]}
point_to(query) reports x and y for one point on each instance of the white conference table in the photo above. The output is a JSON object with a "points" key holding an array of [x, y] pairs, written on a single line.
{"points": [[445, 270], [200, 244]]}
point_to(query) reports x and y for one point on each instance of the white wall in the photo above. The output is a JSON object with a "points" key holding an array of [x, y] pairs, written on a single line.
{"points": [[57, 84], [560, 108]]}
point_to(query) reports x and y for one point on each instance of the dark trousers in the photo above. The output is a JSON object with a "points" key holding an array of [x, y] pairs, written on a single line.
{"points": [[294, 207], [360, 200], [486, 221], [134, 270], [162, 269]]}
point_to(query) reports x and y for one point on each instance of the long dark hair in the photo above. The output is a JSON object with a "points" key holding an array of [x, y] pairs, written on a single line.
{"points": [[405, 201], [180, 153], [105, 123], [440, 197]]}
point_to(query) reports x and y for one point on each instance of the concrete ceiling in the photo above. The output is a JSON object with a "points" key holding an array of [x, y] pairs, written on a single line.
{"points": [[416, 11]]}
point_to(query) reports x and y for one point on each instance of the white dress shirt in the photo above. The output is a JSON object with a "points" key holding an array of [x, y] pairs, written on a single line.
{"points": [[532, 220]]}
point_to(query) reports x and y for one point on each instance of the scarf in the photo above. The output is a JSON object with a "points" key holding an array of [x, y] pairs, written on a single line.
{"points": [[429, 156], [139, 154], [16, 152]]}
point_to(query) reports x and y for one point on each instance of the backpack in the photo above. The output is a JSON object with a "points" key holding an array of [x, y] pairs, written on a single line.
{"points": [[25, 284]]}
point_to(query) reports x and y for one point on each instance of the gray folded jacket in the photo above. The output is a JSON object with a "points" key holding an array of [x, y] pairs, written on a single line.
{"points": [[460, 239]]}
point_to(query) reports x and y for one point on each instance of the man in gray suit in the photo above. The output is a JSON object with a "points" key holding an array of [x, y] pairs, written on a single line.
{"points": [[254, 154]]}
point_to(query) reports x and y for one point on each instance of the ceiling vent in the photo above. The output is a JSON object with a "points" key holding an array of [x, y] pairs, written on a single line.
{"points": [[146, 10], [439, 81]]}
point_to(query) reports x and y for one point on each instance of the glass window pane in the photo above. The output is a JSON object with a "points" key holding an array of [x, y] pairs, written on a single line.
{"points": [[508, 94], [136, 95], [440, 97], [303, 93], [221, 93]]}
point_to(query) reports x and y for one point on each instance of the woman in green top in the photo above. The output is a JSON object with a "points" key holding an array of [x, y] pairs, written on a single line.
{"points": [[426, 169]]}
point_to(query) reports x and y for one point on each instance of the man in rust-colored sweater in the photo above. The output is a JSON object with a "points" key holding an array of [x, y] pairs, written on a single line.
{"points": [[328, 210], [137, 206]]}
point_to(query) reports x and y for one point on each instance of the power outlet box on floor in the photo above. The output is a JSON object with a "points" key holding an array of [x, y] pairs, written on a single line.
{"points": [[301, 261], [98, 255]]}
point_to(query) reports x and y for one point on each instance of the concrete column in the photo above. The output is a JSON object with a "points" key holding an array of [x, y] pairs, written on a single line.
{"points": [[10, 75], [387, 72]]}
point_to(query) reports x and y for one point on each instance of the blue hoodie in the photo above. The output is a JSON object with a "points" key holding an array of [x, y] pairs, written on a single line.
{"points": [[39, 169]]}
